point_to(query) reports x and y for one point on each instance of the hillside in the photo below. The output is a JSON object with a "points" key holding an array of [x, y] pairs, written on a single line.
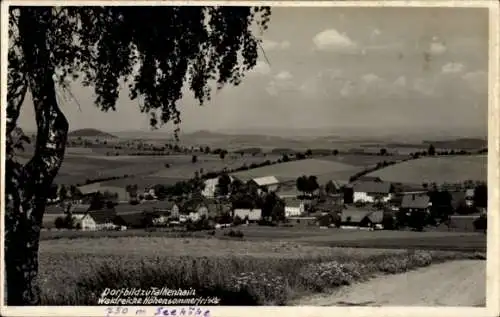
{"points": [[448, 169], [90, 133]]}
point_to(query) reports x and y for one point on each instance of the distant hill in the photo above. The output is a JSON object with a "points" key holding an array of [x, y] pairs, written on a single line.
{"points": [[90, 133]]}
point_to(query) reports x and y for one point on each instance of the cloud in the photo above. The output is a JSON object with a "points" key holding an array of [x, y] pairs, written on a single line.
{"points": [[321, 84], [261, 68], [453, 68], [437, 48], [284, 75], [348, 89], [423, 86], [269, 45], [400, 82], [477, 81], [283, 81], [371, 78], [332, 40]]}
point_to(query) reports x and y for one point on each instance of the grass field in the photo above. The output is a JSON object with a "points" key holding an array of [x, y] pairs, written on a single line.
{"points": [[75, 272], [292, 170], [362, 160], [449, 169], [431, 240], [78, 166]]}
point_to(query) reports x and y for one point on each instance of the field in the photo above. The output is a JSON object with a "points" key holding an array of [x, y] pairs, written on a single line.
{"points": [[292, 170], [449, 169], [430, 240], [362, 160], [74, 272], [81, 164]]}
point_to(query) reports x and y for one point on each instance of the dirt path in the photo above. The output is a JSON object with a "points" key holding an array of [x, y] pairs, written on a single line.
{"points": [[456, 283]]}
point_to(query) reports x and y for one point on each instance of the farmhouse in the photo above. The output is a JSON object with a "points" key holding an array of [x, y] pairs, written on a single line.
{"points": [[294, 207], [251, 215], [211, 186], [469, 197], [104, 218], [415, 202], [361, 217], [268, 183], [372, 191], [84, 222]]}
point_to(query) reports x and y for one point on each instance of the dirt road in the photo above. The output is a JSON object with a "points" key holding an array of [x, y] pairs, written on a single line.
{"points": [[456, 283]]}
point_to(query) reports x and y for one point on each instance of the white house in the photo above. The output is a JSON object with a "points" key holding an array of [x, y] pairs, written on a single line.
{"points": [[294, 208], [271, 183], [469, 197], [211, 186], [250, 214], [84, 222], [372, 191]]}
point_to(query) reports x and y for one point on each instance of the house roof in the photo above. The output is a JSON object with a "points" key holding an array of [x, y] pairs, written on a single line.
{"points": [[266, 180], [376, 216], [469, 192], [292, 202], [103, 215], [354, 215], [415, 201], [132, 219], [372, 187]]}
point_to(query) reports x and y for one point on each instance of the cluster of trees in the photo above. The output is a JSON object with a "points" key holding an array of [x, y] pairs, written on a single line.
{"points": [[63, 192], [307, 184], [431, 151]]}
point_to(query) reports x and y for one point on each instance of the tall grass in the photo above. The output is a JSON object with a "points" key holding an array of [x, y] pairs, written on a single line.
{"points": [[79, 279]]}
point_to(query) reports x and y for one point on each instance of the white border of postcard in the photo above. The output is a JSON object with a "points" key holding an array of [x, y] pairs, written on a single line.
{"points": [[493, 235]]}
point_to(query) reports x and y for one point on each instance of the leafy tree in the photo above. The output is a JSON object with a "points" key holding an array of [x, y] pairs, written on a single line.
{"points": [[312, 184], [223, 185], [330, 187], [383, 152], [301, 184], [335, 152], [481, 196], [63, 192], [431, 151], [222, 154], [59, 223], [50, 45]]}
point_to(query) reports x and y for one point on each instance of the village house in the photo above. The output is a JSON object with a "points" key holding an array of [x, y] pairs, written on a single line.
{"points": [[372, 191], [294, 207], [84, 222], [252, 215], [104, 218], [415, 202], [266, 183], [469, 197], [362, 218], [211, 186]]}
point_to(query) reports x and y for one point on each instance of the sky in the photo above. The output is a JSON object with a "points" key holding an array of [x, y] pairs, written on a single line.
{"points": [[380, 68]]}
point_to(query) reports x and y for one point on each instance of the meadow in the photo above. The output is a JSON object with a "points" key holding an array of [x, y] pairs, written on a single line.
{"points": [[362, 160], [443, 169], [75, 272], [292, 170]]}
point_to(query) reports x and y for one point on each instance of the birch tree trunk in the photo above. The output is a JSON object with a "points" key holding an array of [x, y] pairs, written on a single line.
{"points": [[28, 186]]}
